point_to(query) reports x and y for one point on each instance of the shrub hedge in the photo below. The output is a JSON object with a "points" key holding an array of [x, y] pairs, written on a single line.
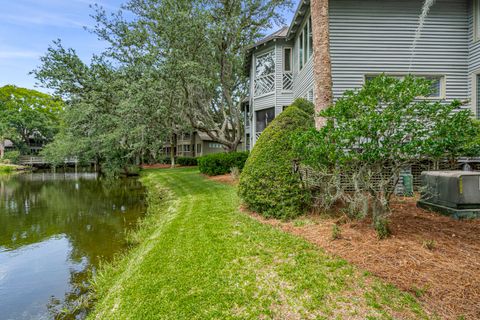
{"points": [[268, 183], [221, 163], [13, 156], [186, 161]]}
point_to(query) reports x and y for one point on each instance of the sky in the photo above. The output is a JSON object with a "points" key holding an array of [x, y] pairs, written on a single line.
{"points": [[28, 27]]}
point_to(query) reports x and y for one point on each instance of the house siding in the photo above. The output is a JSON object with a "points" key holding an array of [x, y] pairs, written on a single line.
{"points": [[376, 36], [278, 97]]}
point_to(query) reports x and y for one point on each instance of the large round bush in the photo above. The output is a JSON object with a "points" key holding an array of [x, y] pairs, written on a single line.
{"points": [[268, 183]]}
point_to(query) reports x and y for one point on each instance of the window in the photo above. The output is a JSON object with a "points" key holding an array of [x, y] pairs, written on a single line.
{"points": [[265, 64], [263, 118], [264, 82], [287, 59], [310, 95], [186, 148], [300, 50], [199, 148], [438, 83], [310, 38], [476, 21], [214, 145], [305, 43]]}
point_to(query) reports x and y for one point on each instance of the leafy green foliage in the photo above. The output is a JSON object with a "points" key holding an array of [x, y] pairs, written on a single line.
{"points": [[268, 183], [114, 116], [373, 133], [28, 116], [12, 156], [187, 161], [6, 168], [221, 163]]}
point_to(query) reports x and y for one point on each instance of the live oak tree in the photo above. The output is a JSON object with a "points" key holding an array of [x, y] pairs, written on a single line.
{"points": [[170, 66], [198, 46]]}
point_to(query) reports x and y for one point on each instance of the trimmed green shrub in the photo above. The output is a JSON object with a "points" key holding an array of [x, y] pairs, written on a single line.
{"points": [[222, 163], [268, 183], [187, 161], [164, 160], [13, 156]]}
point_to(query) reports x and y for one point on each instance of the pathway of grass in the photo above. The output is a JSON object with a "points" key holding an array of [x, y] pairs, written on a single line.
{"points": [[200, 258]]}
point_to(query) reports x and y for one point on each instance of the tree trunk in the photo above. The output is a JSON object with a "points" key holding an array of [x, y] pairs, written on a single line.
{"points": [[322, 64], [173, 143], [192, 144]]}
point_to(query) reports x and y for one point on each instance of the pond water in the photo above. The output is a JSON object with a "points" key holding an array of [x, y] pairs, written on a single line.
{"points": [[54, 230]]}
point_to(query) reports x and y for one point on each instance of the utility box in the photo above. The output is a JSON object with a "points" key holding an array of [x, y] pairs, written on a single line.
{"points": [[454, 193]]}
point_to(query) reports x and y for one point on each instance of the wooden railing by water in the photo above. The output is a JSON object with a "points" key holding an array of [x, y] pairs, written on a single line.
{"points": [[40, 161]]}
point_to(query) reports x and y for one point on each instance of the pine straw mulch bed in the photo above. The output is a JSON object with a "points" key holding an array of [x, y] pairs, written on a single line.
{"points": [[161, 166], [226, 178], [434, 257]]}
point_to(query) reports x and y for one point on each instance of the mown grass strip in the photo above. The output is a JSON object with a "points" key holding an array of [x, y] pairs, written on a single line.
{"points": [[198, 257]]}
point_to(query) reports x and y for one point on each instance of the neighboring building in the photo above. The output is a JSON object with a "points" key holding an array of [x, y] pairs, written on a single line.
{"points": [[200, 145], [367, 38]]}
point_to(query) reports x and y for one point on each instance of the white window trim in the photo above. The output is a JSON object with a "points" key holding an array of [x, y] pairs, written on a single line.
{"points": [[474, 97], [443, 81]]}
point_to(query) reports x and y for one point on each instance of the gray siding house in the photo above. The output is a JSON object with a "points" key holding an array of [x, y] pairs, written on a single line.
{"points": [[367, 38], [195, 144]]}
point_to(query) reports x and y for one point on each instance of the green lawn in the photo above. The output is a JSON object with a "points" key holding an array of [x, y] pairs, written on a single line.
{"points": [[199, 257]]}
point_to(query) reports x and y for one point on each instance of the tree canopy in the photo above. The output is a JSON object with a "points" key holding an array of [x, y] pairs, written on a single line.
{"points": [[170, 66], [28, 116]]}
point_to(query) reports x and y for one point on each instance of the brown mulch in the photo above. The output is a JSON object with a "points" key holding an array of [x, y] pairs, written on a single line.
{"points": [[226, 179], [156, 166], [434, 257], [161, 166]]}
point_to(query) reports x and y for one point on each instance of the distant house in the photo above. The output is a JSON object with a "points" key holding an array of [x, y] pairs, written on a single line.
{"points": [[367, 38], [195, 144]]}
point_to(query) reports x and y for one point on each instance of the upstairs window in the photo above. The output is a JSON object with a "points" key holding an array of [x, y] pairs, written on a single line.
{"points": [[310, 38], [287, 59], [264, 82], [305, 44], [265, 64]]}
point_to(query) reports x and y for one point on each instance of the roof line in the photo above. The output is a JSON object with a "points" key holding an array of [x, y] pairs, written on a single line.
{"points": [[299, 14]]}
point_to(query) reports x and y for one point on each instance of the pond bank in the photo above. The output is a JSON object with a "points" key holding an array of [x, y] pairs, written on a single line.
{"points": [[199, 257], [10, 168]]}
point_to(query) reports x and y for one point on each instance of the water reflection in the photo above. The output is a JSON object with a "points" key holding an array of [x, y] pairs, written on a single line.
{"points": [[53, 229]]}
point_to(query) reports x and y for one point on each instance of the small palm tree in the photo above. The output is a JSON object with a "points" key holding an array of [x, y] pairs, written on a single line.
{"points": [[321, 58]]}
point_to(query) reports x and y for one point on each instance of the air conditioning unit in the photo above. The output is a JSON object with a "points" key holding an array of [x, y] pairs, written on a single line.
{"points": [[454, 193]]}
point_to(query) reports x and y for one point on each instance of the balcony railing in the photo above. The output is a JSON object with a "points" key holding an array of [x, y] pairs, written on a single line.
{"points": [[264, 85], [288, 81]]}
